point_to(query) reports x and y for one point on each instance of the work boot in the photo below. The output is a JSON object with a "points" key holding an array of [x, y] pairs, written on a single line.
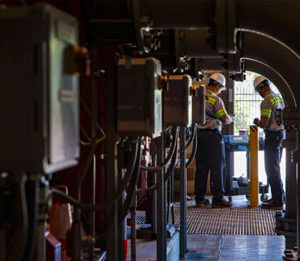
{"points": [[267, 200], [203, 202], [221, 203], [272, 205]]}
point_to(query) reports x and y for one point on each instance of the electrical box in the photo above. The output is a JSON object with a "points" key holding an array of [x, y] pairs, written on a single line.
{"points": [[177, 101], [139, 99], [199, 107], [39, 129]]}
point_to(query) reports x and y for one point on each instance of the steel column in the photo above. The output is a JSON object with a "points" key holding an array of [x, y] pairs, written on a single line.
{"points": [[122, 224], [92, 219], [183, 194], [42, 218], [291, 210], [296, 159], [111, 173], [161, 205], [2, 244], [133, 229]]}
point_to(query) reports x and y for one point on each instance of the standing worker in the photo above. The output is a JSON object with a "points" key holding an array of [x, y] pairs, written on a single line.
{"points": [[274, 134], [210, 154]]}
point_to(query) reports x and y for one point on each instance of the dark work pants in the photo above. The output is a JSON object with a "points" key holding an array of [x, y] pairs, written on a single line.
{"points": [[273, 152], [210, 156]]}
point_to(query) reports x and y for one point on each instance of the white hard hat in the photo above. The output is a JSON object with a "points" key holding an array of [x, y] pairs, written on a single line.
{"points": [[260, 81], [219, 78]]}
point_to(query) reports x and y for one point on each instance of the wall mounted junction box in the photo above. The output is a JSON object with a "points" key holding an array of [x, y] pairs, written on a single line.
{"points": [[139, 99], [39, 129], [177, 101]]}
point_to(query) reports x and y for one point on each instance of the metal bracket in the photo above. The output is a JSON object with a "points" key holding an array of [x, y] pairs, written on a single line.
{"points": [[232, 63], [225, 26], [138, 26], [146, 38]]}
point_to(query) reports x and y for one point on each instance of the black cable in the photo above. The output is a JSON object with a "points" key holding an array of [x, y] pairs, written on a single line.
{"points": [[169, 173], [132, 187], [126, 205], [172, 150], [172, 166], [123, 212], [109, 202], [75, 202], [82, 130], [191, 139], [194, 151]]}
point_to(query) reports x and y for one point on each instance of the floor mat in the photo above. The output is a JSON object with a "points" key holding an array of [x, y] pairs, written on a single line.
{"points": [[229, 221], [225, 221]]}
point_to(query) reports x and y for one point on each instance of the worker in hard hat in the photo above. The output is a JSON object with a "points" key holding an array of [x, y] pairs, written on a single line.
{"points": [[274, 134], [210, 156]]}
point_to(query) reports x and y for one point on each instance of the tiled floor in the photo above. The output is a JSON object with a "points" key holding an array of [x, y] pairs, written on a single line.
{"points": [[228, 247], [221, 247]]}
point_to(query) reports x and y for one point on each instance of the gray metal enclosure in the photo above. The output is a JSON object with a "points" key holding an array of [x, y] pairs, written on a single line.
{"points": [[38, 97]]}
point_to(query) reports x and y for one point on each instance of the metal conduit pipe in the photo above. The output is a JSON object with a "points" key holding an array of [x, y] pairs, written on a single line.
{"points": [[266, 70], [268, 51], [258, 15], [248, 15], [264, 57], [252, 15]]}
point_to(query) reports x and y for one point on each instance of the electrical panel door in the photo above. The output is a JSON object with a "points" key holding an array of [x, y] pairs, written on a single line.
{"points": [[177, 101], [139, 99], [38, 97]]}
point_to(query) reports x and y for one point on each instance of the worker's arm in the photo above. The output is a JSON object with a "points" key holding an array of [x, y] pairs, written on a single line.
{"points": [[262, 122], [221, 112], [226, 119], [265, 114]]}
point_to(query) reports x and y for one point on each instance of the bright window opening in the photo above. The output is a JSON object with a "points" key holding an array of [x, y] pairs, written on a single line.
{"points": [[246, 108]]}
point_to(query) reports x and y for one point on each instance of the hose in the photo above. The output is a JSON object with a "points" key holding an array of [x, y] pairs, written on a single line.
{"points": [[191, 139], [132, 187], [108, 203], [128, 201], [194, 151], [170, 171], [172, 150]]}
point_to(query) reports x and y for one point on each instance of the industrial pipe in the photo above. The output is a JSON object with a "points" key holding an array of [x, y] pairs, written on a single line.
{"points": [[267, 50], [272, 18], [279, 81]]}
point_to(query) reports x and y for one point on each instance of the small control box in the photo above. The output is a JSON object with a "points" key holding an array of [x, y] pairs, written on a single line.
{"points": [[139, 98], [177, 101]]}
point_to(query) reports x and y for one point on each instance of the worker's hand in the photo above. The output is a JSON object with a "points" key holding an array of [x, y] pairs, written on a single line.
{"points": [[232, 116], [256, 121]]}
